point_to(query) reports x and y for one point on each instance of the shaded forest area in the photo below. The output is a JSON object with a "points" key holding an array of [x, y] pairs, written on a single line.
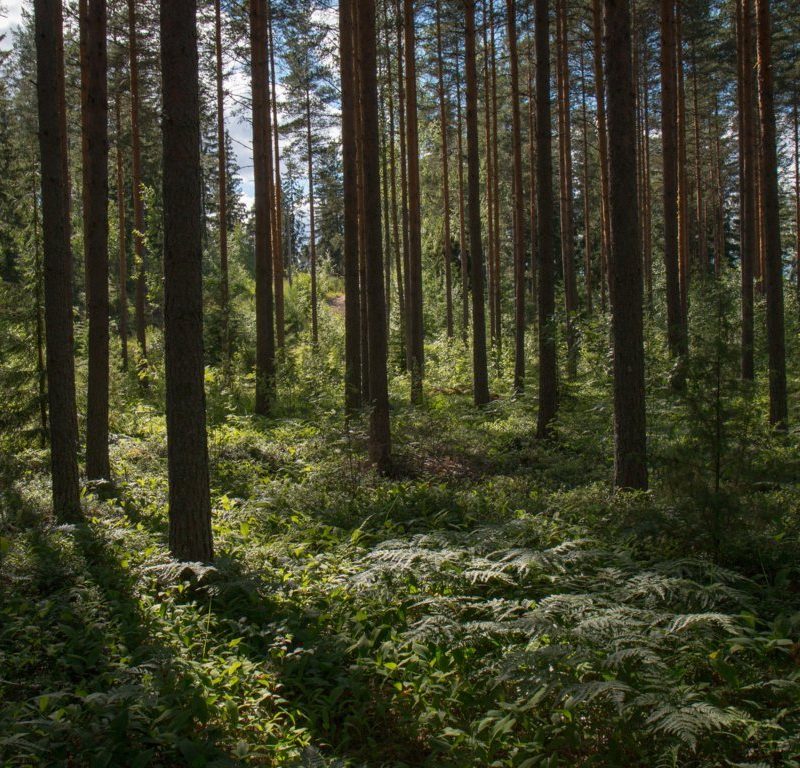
{"points": [[394, 383]]}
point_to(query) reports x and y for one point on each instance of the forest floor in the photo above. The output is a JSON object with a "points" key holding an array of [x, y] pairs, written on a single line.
{"points": [[492, 603]]}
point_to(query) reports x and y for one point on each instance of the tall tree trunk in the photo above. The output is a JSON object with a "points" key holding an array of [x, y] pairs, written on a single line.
{"points": [[587, 235], [796, 196], [379, 435], [139, 257], [222, 188], [773, 266], [565, 183], [487, 125], [462, 239], [38, 277], [277, 191], [647, 224], [57, 260], [548, 370], [187, 451], [532, 212], [123, 254], [602, 142], [312, 232], [352, 307], [700, 212], [265, 333], [519, 203], [496, 280], [416, 329], [630, 464], [480, 376], [401, 98], [95, 201], [398, 256], [447, 249], [683, 181], [676, 331], [747, 198]]}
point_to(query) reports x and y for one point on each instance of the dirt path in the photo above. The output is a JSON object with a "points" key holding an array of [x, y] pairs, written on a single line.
{"points": [[336, 303]]}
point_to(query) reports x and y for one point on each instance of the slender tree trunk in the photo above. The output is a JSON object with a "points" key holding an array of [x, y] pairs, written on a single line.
{"points": [[123, 254], [565, 183], [462, 239], [362, 264], [683, 181], [747, 198], [401, 98], [519, 203], [496, 280], [398, 256], [647, 224], [38, 276], [480, 377], [487, 120], [587, 235], [379, 435], [548, 370], [312, 232], [630, 463], [796, 196], [773, 266], [352, 307], [676, 332], [416, 330], [602, 142], [222, 188], [277, 190], [700, 213], [95, 201], [447, 249], [265, 333], [187, 452], [57, 260], [532, 213], [139, 257]]}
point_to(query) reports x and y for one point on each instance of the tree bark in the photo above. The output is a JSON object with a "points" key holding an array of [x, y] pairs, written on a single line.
{"points": [[139, 256], [480, 377], [548, 372], [265, 332], [773, 266], [630, 465], [312, 233], [95, 217], [446, 245], [277, 192], [462, 239], [187, 451], [565, 184], [416, 330], [747, 181], [57, 260], [602, 142], [123, 252], [379, 434], [222, 188], [676, 331], [519, 203], [352, 307]]}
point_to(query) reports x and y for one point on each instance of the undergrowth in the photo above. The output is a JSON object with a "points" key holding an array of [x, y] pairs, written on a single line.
{"points": [[491, 604]]}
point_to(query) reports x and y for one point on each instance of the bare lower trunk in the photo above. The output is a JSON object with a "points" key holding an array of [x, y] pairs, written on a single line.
{"points": [[57, 260]]}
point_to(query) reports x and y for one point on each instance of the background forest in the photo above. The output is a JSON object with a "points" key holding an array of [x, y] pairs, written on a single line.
{"points": [[400, 383]]}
